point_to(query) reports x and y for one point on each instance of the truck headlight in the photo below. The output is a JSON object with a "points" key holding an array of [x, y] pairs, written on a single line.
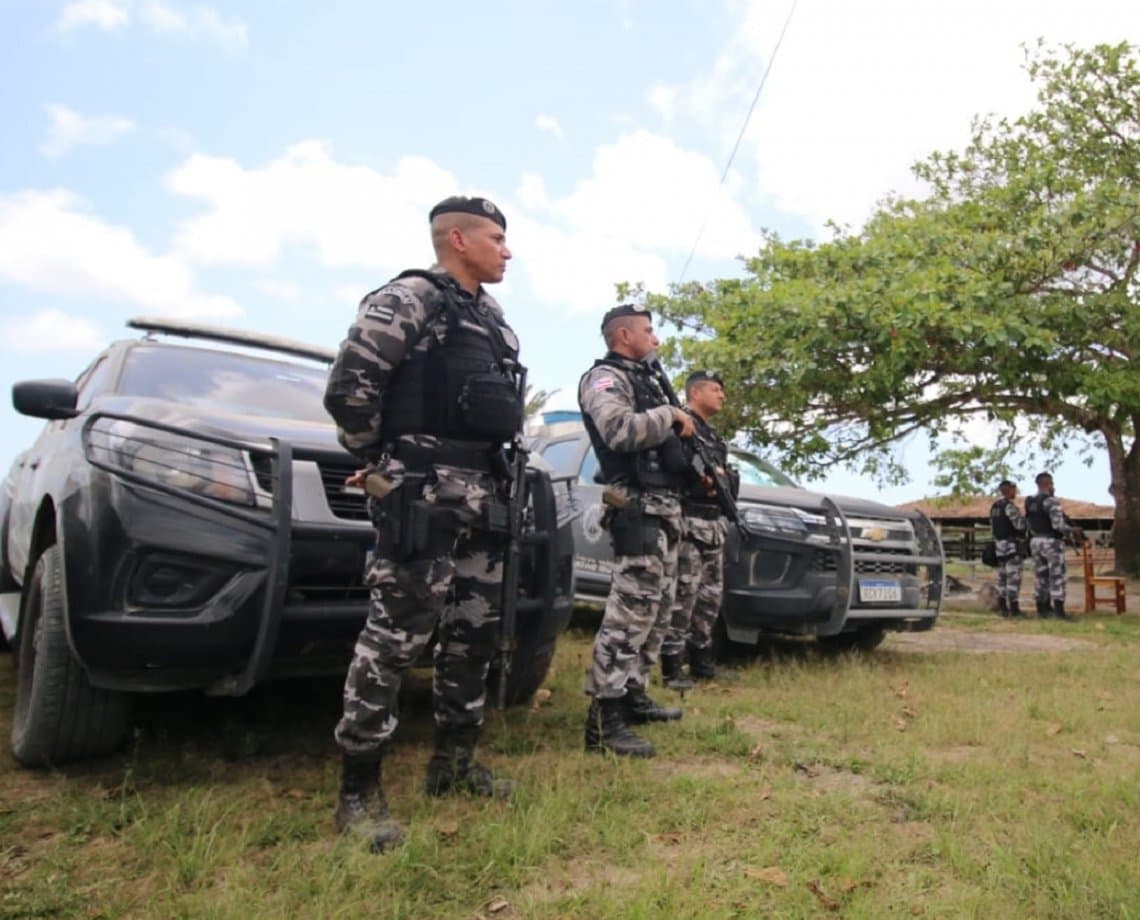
{"points": [[172, 460], [786, 522]]}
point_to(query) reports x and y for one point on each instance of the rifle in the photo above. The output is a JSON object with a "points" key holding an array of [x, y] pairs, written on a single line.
{"points": [[516, 513], [705, 463]]}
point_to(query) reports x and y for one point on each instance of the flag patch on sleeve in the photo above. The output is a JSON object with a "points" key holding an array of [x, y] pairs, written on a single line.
{"points": [[603, 383]]}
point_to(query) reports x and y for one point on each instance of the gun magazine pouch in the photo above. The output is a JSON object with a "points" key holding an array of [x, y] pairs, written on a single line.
{"points": [[407, 526], [634, 533], [491, 406]]}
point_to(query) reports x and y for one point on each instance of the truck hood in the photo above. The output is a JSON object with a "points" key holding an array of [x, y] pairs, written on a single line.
{"points": [[788, 496], [310, 435]]}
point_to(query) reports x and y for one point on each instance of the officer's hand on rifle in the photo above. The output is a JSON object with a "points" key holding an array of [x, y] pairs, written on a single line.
{"points": [[683, 422]]}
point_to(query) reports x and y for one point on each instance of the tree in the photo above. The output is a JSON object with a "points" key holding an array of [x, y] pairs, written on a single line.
{"points": [[535, 401], [1009, 294]]}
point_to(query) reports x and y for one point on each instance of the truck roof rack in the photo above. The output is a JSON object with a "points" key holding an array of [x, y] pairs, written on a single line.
{"points": [[189, 330]]}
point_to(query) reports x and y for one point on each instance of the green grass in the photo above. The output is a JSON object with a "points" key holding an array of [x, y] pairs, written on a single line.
{"points": [[933, 783]]}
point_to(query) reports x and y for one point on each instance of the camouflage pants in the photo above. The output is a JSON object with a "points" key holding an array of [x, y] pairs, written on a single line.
{"points": [[1048, 568], [1009, 571], [633, 627], [455, 593], [700, 585]]}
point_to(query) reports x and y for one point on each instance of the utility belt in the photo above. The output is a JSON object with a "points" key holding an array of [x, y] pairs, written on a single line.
{"points": [[705, 512], [416, 457], [1047, 535]]}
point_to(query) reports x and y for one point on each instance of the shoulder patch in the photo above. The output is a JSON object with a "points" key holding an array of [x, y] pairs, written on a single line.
{"points": [[603, 383], [382, 311]]}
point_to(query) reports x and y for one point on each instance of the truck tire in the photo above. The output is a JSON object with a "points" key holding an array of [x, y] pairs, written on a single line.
{"points": [[59, 716], [859, 640]]}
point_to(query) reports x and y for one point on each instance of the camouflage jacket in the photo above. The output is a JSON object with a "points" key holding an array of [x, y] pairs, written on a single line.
{"points": [[606, 395], [403, 317]]}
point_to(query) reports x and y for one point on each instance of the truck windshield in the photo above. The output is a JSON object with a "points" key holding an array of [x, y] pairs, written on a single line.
{"points": [[229, 381], [757, 472]]}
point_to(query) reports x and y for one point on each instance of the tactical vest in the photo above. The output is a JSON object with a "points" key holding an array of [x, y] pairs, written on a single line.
{"points": [[1000, 523], [661, 467], [695, 490], [1038, 518], [467, 387]]}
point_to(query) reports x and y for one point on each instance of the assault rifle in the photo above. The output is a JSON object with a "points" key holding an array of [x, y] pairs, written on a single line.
{"points": [[516, 513], [705, 462]]}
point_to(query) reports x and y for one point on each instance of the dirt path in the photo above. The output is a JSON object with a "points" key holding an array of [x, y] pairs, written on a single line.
{"points": [[942, 639]]}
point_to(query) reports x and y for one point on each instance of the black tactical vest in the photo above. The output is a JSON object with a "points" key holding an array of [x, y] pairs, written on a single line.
{"points": [[1038, 518], [696, 491], [466, 387], [999, 521], [661, 467]]}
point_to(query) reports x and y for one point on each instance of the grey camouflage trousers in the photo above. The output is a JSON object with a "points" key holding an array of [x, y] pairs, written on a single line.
{"points": [[456, 593], [700, 585], [1048, 568], [1009, 571], [628, 642]]}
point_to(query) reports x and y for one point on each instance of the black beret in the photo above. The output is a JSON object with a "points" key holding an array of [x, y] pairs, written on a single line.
{"points": [[625, 309], [461, 204], [1006, 482], [1037, 479], [701, 376]]}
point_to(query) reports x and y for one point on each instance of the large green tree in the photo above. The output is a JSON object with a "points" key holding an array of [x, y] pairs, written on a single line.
{"points": [[1008, 294]]}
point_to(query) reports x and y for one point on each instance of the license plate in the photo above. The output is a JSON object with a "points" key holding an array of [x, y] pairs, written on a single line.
{"points": [[879, 591]]}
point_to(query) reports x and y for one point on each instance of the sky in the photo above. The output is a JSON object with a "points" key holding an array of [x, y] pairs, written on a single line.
{"points": [[263, 165]]}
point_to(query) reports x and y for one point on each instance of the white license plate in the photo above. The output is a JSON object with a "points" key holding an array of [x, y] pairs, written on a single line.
{"points": [[879, 591]]}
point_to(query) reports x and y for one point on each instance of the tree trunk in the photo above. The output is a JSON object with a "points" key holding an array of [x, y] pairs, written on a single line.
{"points": [[1125, 468]]}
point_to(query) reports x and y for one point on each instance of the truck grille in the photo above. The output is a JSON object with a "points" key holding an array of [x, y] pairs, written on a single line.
{"points": [[350, 506], [883, 566]]}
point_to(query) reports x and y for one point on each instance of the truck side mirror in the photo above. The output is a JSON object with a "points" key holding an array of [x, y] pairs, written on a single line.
{"points": [[50, 399]]}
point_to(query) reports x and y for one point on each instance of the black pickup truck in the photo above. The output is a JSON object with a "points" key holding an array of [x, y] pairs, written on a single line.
{"points": [[845, 570], [182, 522]]}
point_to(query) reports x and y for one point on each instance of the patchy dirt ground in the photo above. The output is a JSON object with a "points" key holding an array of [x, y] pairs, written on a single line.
{"points": [[943, 639]]}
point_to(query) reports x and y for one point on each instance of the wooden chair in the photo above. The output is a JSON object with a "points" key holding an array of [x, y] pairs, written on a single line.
{"points": [[1115, 586]]}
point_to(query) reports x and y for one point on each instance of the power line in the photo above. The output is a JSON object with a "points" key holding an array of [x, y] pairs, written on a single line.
{"points": [[739, 138]]}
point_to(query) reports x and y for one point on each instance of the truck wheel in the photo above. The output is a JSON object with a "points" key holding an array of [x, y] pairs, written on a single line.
{"points": [[59, 716], [859, 640], [726, 649]]}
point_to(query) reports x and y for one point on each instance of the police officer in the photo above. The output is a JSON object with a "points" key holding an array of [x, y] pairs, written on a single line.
{"points": [[1009, 529], [425, 389], [1049, 526], [635, 432], [700, 556]]}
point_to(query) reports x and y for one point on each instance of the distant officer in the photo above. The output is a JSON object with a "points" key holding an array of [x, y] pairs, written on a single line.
{"points": [[1049, 526], [635, 433], [1009, 529], [425, 388], [700, 557]]}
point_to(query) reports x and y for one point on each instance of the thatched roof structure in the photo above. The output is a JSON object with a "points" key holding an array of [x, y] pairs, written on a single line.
{"points": [[964, 510]]}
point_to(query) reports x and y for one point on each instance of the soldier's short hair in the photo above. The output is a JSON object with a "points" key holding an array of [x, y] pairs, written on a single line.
{"points": [[1041, 477], [1006, 482]]}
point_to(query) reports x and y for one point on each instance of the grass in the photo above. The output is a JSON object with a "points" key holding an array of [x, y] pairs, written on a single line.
{"points": [[916, 780]]}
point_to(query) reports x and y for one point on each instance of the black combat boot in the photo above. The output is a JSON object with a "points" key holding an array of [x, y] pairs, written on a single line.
{"points": [[639, 708], [1059, 611], [1003, 607], [673, 673], [1043, 609], [362, 809], [606, 731], [1015, 608], [702, 664], [453, 767]]}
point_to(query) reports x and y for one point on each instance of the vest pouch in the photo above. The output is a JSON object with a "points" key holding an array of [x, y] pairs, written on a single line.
{"points": [[490, 406], [674, 457], [407, 527], [633, 532]]}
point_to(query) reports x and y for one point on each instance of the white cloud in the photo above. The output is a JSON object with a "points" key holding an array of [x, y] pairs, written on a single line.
{"points": [[278, 289], [549, 124], [50, 245], [350, 214], [51, 330], [161, 18], [860, 90], [662, 99], [69, 128], [104, 14]]}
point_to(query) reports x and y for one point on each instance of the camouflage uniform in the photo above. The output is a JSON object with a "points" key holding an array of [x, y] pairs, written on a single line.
{"points": [[633, 627], [700, 565], [454, 586], [1049, 554], [1008, 552]]}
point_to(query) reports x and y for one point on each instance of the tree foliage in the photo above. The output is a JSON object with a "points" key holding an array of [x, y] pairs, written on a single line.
{"points": [[1008, 294]]}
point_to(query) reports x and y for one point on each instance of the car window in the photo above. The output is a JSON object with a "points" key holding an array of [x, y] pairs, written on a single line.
{"points": [[589, 467], [92, 382], [226, 380], [563, 455], [757, 472]]}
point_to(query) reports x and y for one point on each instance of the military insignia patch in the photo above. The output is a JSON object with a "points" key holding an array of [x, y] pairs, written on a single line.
{"points": [[381, 312], [604, 383]]}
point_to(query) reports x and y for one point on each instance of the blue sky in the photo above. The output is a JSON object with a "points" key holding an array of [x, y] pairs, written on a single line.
{"points": [[265, 164]]}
